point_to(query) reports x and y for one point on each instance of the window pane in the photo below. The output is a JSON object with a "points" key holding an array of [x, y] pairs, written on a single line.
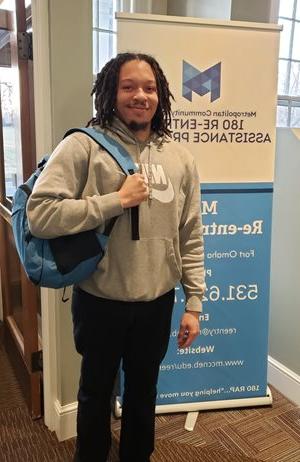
{"points": [[283, 78], [298, 10], [285, 38], [8, 5], [5, 51], [282, 116], [296, 42], [10, 166], [95, 52], [104, 14], [295, 116], [104, 49], [286, 8], [295, 79], [9, 94]]}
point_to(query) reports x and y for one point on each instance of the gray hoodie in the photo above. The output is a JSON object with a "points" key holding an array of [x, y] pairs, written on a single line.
{"points": [[77, 191]]}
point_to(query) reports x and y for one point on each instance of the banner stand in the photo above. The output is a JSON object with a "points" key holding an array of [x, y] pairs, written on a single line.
{"points": [[193, 409], [224, 113]]}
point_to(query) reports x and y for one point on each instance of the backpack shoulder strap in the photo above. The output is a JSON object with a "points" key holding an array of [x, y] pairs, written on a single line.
{"points": [[125, 162], [114, 148]]}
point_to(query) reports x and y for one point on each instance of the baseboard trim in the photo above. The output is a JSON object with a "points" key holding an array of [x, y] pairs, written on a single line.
{"points": [[284, 380], [65, 420]]}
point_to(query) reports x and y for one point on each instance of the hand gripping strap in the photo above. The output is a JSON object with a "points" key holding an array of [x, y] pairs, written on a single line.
{"points": [[124, 161]]}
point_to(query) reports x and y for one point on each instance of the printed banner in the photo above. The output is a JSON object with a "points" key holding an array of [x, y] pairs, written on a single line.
{"points": [[228, 360], [223, 78]]}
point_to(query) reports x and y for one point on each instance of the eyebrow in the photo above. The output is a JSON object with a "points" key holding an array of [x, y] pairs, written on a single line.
{"points": [[133, 80]]}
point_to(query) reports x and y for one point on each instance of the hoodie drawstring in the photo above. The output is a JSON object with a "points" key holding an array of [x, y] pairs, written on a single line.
{"points": [[150, 174]]}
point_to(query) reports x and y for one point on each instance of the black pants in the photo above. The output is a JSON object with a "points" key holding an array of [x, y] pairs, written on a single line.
{"points": [[105, 332]]}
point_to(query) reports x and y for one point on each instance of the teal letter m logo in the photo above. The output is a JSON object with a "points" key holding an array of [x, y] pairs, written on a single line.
{"points": [[201, 82]]}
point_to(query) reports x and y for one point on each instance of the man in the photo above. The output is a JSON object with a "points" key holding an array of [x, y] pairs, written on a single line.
{"points": [[123, 311]]}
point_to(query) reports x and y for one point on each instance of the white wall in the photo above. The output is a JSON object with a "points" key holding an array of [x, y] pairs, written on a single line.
{"points": [[239, 10], [255, 10], [62, 33], [71, 80], [144, 6], [284, 344], [214, 9]]}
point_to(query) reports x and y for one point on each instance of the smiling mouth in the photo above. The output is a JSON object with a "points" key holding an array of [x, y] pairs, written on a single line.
{"points": [[139, 108]]}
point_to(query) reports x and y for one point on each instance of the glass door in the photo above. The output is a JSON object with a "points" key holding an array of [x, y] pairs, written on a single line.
{"points": [[21, 310]]}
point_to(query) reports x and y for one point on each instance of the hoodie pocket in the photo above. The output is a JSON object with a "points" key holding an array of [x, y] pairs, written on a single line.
{"points": [[138, 270]]}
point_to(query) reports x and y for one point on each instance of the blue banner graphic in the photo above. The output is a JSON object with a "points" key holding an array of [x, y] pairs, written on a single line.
{"points": [[229, 358]]}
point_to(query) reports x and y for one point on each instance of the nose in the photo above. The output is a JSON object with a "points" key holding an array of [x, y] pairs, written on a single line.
{"points": [[140, 95]]}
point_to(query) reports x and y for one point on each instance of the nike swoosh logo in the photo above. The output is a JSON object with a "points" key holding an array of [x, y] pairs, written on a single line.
{"points": [[164, 195]]}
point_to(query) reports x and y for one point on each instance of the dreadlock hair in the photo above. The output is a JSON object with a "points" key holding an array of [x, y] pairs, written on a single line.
{"points": [[106, 87]]}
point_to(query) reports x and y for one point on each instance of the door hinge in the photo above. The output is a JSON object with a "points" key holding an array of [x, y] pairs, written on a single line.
{"points": [[37, 361], [25, 45]]}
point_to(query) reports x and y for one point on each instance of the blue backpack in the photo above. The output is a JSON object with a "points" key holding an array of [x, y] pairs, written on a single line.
{"points": [[69, 259]]}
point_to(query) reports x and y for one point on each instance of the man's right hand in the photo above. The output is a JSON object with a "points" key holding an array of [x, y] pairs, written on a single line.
{"points": [[133, 191]]}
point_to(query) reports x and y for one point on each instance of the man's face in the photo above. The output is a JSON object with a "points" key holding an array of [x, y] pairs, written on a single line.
{"points": [[137, 98]]}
